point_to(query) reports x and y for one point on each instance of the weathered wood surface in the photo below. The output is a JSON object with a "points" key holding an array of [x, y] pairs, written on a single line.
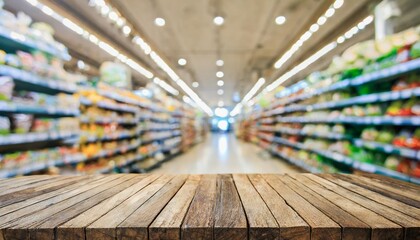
{"points": [[234, 207]]}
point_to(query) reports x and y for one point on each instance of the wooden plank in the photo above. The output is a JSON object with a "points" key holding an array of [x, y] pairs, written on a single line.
{"points": [[322, 227], [411, 225], [5, 183], [105, 227], [230, 220], [19, 229], [135, 226], [45, 230], [382, 228], [365, 184], [74, 229], [352, 228], [398, 188], [390, 202], [30, 183], [262, 224], [391, 181], [35, 191], [199, 220], [28, 202], [292, 226], [167, 224]]}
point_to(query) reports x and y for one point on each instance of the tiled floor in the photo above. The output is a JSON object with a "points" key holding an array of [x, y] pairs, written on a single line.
{"points": [[223, 153]]}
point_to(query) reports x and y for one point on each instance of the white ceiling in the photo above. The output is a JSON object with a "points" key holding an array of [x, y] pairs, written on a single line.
{"points": [[249, 42]]}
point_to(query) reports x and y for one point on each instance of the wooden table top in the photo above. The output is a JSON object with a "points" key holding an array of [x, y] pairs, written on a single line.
{"points": [[152, 206]]}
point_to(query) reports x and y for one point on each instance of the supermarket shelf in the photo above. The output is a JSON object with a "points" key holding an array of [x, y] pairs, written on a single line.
{"points": [[110, 106], [19, 41], [14, 139], [123, 99], [85, 119], [159, 139], [383, 120], [384, 74], [337, 157], [297, 162], [108, 138], [160, 129], [388, 148], [7, 108], [36, 83], [34, 167], [109, 153], [365, 99], [291, 131]]}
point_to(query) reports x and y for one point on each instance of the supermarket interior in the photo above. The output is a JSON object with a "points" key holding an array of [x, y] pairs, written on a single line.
{"points": [[112, 86], [209, 119]]}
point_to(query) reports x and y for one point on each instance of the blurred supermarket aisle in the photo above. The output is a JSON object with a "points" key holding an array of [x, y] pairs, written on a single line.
{"points": [[223, 153]]}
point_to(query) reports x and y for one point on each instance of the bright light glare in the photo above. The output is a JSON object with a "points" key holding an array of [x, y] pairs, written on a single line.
{"points": [[321, 20], [314, 27], [220, 83], [160, 22], [221, 112], [330, 12], [223, 125], [182, 61], [195, 84], [338, 3], [253, 90], [280, 20], [220, 103], [220, 74], [220, 62], [218, 20], [126, 30], [220, 91]]}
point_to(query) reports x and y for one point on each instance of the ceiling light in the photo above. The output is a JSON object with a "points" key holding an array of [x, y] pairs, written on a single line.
{"points": [[330, 12], [160, 22], [182, 61], [314, 27], [321, 20], [338, 3], [253, 90], [221, 112], [220, 62], [341, 39], [220, 92], [236, 110], [280, 20], [218, 20], [220, 74], [126, 30], [220, 83], [81, 64], [120, 22], [104, 10], [220, 103], [113, 16], [195, 84]]}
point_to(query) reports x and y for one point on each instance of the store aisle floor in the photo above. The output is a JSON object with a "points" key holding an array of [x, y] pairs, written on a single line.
{"points": [[223, 153]]}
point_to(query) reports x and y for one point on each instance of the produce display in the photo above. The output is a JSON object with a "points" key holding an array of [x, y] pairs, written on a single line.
{"points": [[360, 114], [54, 121]]}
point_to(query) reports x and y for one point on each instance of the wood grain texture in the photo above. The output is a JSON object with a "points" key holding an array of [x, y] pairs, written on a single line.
{"points": [[253, 206], [382, 228], [292, 226], [230, 220], [106, 226], [136, 225], [73, 229], [411, 226], [322, 227], [199, 220], [352, 228], [262, 224], [167, 224]]}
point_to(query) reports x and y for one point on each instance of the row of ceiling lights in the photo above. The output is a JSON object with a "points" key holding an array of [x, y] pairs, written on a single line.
{"points": [[138, 40], [323, 51], [295, 47]]}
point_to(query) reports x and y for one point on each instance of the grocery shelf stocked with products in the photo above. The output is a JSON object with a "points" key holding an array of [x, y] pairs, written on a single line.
{"points": [[52, 121], [360, 114]]}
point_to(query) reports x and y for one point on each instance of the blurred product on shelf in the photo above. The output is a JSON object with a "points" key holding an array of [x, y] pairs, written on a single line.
{"points": [[360, 114], [57, 122]]}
